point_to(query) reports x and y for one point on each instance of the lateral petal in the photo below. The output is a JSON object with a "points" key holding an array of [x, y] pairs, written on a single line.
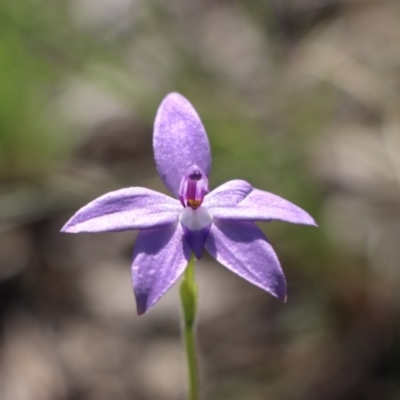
{"points": [[238, 200], [179, 141], [228, 194], [159, 258], [125, 209], [242, 248]]}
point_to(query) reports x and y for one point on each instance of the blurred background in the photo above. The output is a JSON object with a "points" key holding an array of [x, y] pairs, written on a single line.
{"points": [[300, 97]]}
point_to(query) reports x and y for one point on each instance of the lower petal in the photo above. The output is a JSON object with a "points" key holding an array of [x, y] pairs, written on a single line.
{"points": [[242, 248], [159, 258]]}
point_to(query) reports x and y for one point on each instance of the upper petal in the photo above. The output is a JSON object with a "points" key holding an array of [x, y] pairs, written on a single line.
{"points": [[240, 201], [179, 141], [159, 258], [241, 247], [124, 209]]}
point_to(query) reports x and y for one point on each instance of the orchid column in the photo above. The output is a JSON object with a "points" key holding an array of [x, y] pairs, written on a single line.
{"points": [[173, 231]]}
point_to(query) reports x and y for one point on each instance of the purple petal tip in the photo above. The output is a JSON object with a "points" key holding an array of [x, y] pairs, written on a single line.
{"points": [[140, 310], [280, 290], [67, 229]]}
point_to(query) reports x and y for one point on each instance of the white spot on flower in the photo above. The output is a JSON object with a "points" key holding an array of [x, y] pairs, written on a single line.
{"points": [[195, 220]]}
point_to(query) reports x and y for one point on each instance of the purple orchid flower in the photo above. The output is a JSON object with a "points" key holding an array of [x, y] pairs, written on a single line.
{"points": [[221, 221]]}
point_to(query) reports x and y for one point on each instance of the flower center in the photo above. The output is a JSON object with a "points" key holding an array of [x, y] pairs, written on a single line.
{"points": [[193, 188], [195, 220], [196, 224]]}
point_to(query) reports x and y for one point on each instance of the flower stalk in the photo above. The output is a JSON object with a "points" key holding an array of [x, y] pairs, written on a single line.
{"points": [[188, 291]]}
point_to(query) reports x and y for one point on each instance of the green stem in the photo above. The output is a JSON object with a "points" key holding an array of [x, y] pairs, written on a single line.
{"points": [[189, 304]]}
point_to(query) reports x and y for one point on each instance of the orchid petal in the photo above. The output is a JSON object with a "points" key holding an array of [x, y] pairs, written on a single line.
{"points": [[159, 258], [125, 209], [242, 248], [179, 141], [238, 200], [228, 194]]}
